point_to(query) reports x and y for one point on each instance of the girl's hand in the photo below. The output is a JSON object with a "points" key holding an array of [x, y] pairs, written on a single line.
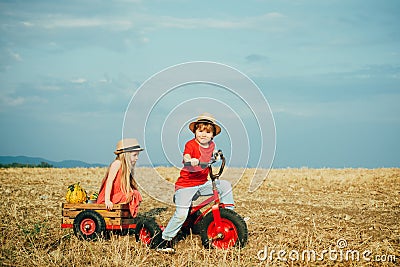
{"points": [[109, 204]]}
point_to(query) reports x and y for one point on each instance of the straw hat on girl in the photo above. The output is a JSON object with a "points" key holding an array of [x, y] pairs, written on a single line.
{"points": [[127, 145]]}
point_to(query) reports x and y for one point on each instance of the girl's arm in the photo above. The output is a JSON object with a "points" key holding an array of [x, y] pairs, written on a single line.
{"points": [[110, 179]]}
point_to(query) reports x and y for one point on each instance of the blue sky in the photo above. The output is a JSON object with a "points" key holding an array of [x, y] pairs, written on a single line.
{"points": [[330, 71]]}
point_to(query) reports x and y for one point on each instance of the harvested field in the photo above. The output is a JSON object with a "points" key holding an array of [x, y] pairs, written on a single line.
{"points": [[348, 217]]}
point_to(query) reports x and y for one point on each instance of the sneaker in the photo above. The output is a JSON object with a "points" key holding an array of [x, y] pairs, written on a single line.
{"points": [[165, 246]]}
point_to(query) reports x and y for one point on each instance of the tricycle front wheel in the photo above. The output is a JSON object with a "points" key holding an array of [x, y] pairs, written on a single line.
{"points": [[231, 232]]}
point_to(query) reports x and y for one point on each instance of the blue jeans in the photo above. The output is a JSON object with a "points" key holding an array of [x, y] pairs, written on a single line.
{"points": [[183, 200]]}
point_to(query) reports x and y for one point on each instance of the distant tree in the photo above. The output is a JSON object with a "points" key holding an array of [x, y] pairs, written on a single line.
{"points": [[44, 164], [25, 165], [20, 165]]}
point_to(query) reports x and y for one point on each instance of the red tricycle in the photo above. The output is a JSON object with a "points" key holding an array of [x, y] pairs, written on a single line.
{"points": [[217, 226]]}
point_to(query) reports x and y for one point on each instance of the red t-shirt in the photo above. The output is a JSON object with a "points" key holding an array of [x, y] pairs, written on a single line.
{"points": [[193, 176]]}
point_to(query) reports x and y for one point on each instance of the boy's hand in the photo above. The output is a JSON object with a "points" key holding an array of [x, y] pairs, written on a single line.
{"points": [[194, 162]]}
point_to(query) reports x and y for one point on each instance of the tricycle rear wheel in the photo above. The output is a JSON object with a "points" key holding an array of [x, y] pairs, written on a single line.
{"points": [[148, 232]]}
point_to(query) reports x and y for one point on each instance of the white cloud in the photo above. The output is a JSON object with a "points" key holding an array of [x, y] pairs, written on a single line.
{"points": [[15, 56], [7, 101], [79, 80], [291, 110], [230, 23], [193, 23], [144, 40], [274, 15], [372, 108], [57, 22], [27, 24], [149, 22], [17, 101], [49, 87]]}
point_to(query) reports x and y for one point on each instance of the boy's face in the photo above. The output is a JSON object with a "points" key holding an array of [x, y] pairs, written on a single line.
{"points": [[203, 137]]}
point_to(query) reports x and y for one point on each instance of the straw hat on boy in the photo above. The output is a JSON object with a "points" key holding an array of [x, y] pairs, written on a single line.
{"points": [[205, 118], [127, 145]]}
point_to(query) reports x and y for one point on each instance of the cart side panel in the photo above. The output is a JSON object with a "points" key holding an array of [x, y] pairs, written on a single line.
{"points": [[118, 216]]}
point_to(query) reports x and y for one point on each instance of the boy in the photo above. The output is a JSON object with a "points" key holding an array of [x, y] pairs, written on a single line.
{"points": [[193, 181]]}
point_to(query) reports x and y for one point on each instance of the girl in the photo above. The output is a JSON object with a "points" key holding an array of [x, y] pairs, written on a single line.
{"points": [[119, 185]]}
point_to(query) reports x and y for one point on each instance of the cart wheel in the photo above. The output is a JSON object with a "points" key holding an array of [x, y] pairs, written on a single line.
{"points": [[148, 232], [89, 225], [231, 233]]}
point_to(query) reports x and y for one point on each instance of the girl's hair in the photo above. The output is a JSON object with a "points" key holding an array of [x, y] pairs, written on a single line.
{"points": [[208, 127], [127, 176], [128, 182]]}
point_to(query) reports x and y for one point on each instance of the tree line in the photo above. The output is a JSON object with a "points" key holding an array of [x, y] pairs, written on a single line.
{"points": [[26, 165]]}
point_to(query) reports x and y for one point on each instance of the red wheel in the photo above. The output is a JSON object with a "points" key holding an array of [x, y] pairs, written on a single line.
{"points": [[224, 236], [148, 232], [145, 236], [89, 225], [231, 232]]}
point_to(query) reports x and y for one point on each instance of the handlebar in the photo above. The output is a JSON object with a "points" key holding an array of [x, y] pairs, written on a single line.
{"points": [[214, 158], [203, 165]]}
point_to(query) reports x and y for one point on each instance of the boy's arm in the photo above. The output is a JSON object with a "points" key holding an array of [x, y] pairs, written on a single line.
{"points": [[187, 155], [193, 161]]}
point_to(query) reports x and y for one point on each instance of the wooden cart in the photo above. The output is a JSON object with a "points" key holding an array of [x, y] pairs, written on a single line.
{"points": [[91, 221]]}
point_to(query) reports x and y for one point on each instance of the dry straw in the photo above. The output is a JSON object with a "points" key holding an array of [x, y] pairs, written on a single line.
{"points": [[294, 210]]}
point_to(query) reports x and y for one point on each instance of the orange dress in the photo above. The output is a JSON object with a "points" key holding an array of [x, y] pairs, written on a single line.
{"points": [[117, 196]]}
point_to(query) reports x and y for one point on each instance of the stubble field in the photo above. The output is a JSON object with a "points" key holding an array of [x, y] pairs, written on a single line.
{"points": [[348, 217]]}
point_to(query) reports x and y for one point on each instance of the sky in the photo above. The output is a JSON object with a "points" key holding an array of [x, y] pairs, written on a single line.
{"points": [[328, 72]]}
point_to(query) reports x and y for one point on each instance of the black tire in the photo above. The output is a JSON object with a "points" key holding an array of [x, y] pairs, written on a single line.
{"points": [[234, 233], [89, 225], [148, 232]]}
